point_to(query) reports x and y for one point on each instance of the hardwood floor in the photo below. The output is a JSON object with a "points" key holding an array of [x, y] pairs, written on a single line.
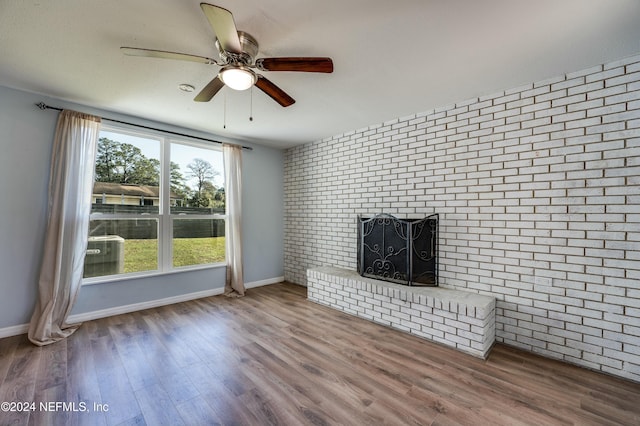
{"points": [[272, 357]]}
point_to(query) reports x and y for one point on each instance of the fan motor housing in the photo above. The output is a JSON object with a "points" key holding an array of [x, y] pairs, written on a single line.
{"points": [[249, 47]]}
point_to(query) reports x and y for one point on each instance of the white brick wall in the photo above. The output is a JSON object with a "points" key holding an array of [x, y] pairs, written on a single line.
{"points": [[538, 191]]}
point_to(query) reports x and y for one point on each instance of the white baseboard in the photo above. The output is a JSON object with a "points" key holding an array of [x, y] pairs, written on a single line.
{"points": [[118, 310], [125, 309], [255, 284], [14, 330]]}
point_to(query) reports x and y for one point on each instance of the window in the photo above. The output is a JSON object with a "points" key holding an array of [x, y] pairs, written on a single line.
{"points": [[158, 206]]}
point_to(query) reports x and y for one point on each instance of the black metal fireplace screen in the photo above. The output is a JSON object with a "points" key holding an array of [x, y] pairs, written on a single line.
{"points": [[403, 251]]}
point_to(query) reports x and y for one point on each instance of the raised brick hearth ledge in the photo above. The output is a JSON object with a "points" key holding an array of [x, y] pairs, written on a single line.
{"points": [[460, 319]]}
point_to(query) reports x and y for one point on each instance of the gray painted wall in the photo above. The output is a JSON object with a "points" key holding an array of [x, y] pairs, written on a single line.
{"points": [[26, 137]]}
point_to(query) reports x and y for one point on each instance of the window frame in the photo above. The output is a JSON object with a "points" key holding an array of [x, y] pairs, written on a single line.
{"points": [[164, 216]]}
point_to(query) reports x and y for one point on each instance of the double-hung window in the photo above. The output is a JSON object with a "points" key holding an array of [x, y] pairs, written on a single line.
{"points": [[158, 206]]}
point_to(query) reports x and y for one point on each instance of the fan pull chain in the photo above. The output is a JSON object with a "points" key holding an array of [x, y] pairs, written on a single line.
{"points": [[224, 114], [251, 105]]}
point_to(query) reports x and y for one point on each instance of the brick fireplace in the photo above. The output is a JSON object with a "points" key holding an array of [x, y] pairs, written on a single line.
{"points": [[538, 191]]}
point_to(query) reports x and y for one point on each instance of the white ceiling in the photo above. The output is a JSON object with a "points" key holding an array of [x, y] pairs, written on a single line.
{"points": [[391, 58]]}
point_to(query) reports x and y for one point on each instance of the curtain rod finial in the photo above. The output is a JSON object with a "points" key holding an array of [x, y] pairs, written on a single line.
{"points": [[41, 105]]}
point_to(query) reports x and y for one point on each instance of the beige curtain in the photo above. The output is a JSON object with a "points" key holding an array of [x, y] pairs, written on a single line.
{"points": [[234, 286], [70, 186]]}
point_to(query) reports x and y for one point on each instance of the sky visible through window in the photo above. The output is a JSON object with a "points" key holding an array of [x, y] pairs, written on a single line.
{"points": [[181, 154]]}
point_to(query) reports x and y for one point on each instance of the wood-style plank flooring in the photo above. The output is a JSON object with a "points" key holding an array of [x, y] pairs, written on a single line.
{"points": [[273, 357]]}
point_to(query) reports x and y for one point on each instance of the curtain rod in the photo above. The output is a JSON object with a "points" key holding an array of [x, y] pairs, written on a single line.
{"points": [[44, 106]]}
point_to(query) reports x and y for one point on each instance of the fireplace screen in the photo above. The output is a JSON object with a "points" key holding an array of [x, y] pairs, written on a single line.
{"points": [[403, 251]]}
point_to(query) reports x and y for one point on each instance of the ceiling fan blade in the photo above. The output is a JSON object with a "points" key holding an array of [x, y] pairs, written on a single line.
{"points": [[295, 64], [276, 93], [150, 53], [209, 90], [224, 27]]}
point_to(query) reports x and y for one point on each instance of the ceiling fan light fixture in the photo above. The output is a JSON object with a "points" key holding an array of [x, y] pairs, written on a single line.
{"points": [[238, 78]]}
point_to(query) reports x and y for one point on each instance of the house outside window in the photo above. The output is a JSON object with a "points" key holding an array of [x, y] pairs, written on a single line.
{"points": [[158, 206]]}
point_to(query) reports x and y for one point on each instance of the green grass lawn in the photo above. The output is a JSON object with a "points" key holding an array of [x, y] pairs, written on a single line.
{"points": [[141, 255]]}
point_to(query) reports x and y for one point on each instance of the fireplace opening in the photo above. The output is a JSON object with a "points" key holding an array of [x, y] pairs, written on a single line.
{"points": [[403, 251]]}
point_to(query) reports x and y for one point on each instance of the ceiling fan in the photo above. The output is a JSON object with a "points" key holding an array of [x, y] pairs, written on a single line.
{"points": [[237, 51]]}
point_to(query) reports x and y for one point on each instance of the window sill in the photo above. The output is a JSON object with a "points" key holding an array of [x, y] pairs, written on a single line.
{"points": [[137, 275]]}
